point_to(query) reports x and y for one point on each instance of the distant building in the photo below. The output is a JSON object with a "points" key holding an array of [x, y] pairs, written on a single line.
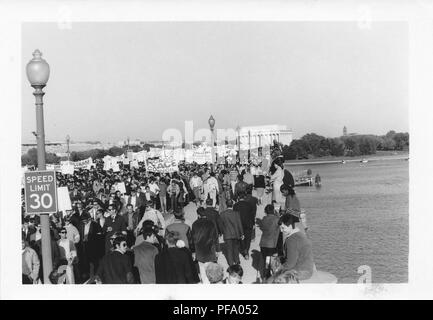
{"points": [[124, 143], [260, 136], [344, 131]]}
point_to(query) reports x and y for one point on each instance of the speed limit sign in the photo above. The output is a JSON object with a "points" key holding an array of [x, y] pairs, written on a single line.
{"points": [[40, 191]]}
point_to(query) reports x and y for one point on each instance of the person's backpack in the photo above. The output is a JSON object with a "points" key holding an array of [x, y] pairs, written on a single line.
{"points": [[288, 178]]}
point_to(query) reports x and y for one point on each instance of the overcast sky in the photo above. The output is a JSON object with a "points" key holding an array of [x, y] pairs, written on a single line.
{"points": [[113, 80]]}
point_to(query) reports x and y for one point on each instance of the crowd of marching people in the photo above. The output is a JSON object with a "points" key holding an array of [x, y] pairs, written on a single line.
{"points": [[141, 235]]}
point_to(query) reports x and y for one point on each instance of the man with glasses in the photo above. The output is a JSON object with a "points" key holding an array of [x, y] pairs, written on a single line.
{"points": [[116, 267], [93, 209]]}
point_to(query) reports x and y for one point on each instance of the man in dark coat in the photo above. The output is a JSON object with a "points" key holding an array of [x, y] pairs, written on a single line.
{"points": [[174, 265], [233, 233], [206, 242], [28, 229], [253, 201], [240, 187], [213, 215], [144, 256], [114, 223], [248, 217], [116, 267], [92, 246]]}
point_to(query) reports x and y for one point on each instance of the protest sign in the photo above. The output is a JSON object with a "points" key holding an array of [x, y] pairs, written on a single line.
{"points": [[154, 152], [139, 156], [83, 164], [115, 167], [63, 199], [67, 167], [120, 186], [134, 164], [165, 165], [54, 167], [203, 155]]}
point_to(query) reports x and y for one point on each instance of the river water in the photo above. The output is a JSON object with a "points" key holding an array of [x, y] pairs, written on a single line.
{"points": [[359, 217]]}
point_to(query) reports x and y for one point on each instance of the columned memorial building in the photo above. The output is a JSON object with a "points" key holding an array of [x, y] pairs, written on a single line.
{"points": [[261, 136]]}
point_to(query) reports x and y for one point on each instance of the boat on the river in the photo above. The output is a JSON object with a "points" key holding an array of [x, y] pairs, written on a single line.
{"points": [[364, 161], [343, 161], [304, 182]]}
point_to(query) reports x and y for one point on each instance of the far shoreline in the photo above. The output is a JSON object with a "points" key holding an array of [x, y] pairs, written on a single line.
{"points": [[379, 156]]}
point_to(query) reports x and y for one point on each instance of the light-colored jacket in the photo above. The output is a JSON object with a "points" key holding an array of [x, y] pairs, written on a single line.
{"points": [[30, 258], [212, 184], [196, 182]]}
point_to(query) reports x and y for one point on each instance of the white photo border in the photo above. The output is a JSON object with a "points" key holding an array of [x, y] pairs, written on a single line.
{"points": [[418, 15]]}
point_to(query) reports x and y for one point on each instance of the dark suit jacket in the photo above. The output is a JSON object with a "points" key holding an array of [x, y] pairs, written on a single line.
{"points": [[214, 216], [253, 201], [246, 212], [205, 238], [175, 265], [231, 225], [240, 187], [135, 218], [118, 225], [30, 232], [93, 248]]}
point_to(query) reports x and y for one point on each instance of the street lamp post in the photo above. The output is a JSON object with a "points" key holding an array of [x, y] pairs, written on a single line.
{"points": [[68, 138], [238, 129], [249, 145], [38, 72], [211, 122]]}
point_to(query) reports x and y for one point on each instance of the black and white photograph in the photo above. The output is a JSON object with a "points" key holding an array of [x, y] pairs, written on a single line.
{"points": [[202, 152]]}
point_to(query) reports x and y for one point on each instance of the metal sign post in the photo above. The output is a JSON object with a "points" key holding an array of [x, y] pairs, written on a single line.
{"points": [[40, 189]]}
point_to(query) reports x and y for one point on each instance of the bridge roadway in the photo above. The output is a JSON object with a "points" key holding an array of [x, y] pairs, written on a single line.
{"points": [[249, 266]]}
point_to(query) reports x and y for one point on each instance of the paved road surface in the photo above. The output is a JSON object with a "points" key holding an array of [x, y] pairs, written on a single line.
{"points": [[250, 272]]}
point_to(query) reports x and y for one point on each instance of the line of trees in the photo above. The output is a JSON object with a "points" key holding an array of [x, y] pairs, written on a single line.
{"points": [[314, 145]]}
